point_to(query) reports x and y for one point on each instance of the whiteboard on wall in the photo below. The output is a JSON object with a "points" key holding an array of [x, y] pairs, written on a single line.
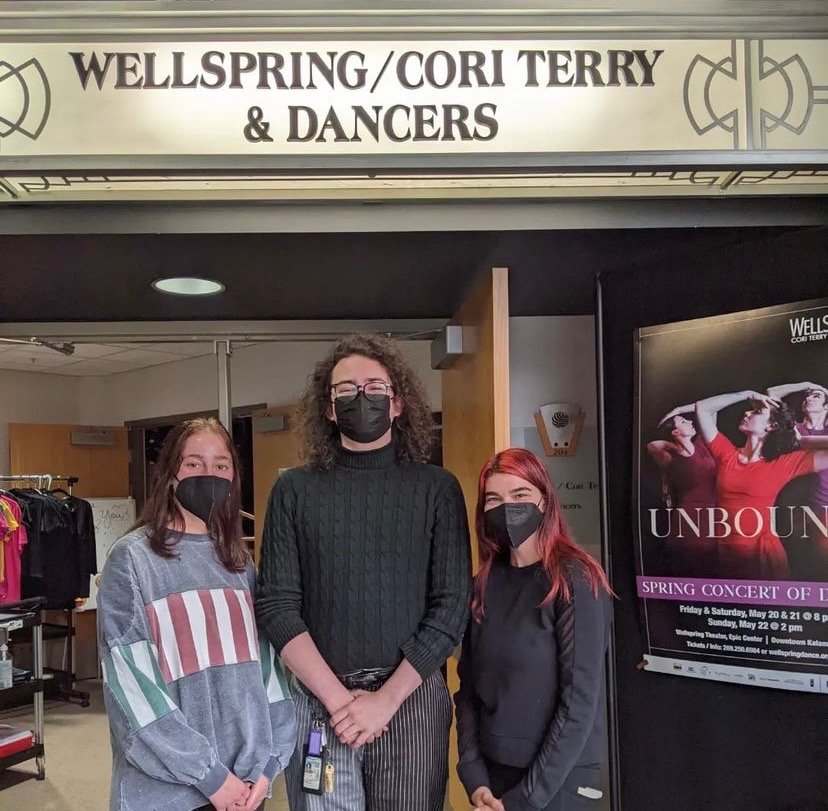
{"points": [[113, 517]]}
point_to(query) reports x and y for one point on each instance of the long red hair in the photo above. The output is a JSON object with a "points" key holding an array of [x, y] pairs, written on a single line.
{"points": [[556, 546]]}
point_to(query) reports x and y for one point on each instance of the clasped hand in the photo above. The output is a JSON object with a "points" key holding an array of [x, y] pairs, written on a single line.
{"points": [[234, 795], [483, 800], [363, 719]]}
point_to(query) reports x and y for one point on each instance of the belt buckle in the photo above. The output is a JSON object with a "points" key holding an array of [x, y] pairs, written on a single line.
{"points": [[363, 679]]}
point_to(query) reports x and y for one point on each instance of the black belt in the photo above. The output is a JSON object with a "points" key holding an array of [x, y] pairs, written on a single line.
{"points": [[370, 678], [367, 678]]}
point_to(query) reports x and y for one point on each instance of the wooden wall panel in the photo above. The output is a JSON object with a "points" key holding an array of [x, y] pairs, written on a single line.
{"points": [[38, 448], [476, 420], [271, 451], [476, 389]]}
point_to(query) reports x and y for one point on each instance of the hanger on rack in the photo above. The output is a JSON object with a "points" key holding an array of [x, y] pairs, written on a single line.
{"points": [[41, 482]]}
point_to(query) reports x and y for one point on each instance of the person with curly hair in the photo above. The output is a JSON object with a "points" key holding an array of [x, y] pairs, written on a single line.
{"points": [[364, 587]]}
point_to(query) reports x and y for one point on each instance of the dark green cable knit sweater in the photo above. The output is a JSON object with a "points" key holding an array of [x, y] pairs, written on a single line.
{"points": [[371, 558]]}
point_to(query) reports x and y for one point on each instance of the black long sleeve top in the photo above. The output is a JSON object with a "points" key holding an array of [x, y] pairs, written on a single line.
{"points": [[371, 558], [531, 680]]}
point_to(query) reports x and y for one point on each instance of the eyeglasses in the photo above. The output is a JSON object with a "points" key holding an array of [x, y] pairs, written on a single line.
{"points": [[373, 390]]}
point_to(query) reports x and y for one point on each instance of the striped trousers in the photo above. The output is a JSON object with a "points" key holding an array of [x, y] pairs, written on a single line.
{"points": [[405, 769]]}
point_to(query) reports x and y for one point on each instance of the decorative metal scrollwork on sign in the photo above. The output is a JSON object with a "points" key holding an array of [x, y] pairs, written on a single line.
{"points": [[25, 99]]}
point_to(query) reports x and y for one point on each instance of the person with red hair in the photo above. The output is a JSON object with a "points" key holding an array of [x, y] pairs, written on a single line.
{"points": [[530, 717]]}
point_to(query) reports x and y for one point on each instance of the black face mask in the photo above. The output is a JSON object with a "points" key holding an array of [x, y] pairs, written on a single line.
{"points": [[512, 524], [201, 495], [361, 419]]}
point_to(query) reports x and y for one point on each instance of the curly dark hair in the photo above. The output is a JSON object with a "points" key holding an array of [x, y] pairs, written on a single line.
{"points": [[413, 432], [782, 439]]}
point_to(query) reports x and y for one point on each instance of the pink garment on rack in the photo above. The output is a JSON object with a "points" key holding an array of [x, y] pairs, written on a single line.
{"points": [[12, 553]]}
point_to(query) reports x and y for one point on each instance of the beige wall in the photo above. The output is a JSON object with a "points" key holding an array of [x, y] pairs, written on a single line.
{"points": [[35, 397], [552, 358], [263, 373], [272, 373]]}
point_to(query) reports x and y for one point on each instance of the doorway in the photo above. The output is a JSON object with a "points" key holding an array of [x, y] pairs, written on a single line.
{"points": [[419, 278]]}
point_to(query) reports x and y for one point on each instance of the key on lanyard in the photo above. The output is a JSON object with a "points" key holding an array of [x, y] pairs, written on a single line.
{"points": [[329, 778]]}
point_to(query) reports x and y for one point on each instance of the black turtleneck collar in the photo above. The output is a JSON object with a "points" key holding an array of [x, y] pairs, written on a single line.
{"points": [[367, 460]]}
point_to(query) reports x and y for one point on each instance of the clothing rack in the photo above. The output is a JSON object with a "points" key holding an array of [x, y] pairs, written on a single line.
{"points": [[44, 480], [64, 679]]}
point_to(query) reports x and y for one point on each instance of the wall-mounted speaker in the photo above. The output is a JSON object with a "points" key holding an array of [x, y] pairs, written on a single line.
{"points": [[270, 423], [447, 347], [91, 435]]}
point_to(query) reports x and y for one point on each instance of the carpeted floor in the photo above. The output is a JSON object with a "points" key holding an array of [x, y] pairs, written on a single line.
{"points": [[77, 761]]}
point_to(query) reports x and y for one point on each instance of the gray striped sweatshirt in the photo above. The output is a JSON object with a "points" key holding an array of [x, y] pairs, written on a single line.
{"points": [[191, 693]]}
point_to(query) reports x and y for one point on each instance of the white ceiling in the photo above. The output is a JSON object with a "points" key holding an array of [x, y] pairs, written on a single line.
{"points": [[98, 359]]}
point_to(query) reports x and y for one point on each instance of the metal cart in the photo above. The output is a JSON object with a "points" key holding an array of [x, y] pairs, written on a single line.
{"points": [[16, 618]]}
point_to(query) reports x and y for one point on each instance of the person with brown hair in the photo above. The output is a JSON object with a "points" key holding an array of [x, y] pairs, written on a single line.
{"points": [[364, 587], [198, 706]]}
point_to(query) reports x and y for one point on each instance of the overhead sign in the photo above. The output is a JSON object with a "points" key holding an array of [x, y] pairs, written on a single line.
{"points": [[364, 98]]}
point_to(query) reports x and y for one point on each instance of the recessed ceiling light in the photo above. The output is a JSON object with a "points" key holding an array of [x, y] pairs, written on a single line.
{"points": [[188, 286]]}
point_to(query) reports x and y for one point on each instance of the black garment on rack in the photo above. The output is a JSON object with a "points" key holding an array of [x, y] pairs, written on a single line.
{"points": [[62, 554], [83, 523], [40, 515]]}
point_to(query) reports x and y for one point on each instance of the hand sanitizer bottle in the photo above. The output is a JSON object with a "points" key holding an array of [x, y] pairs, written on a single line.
{"points": [[6, 678]]}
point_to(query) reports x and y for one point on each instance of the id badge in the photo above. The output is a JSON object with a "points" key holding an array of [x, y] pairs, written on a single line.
{"points": [[314, 760]]}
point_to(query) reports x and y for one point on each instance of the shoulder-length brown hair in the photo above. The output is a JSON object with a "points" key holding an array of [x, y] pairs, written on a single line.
{"points": [[162, 517], [413, 432], [558, 550]]}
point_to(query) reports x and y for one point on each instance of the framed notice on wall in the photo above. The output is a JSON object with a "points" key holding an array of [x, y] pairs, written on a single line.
{"points": [[731, 496]]}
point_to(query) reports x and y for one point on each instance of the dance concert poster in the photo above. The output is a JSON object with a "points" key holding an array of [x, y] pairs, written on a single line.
{"points": [[731, 496]]}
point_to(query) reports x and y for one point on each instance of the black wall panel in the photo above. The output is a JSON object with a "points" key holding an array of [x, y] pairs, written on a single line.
{"points": [[688, 744]]}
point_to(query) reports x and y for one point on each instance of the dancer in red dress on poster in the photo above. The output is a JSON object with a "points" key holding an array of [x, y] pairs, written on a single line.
{"points": [[751, 477]]}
